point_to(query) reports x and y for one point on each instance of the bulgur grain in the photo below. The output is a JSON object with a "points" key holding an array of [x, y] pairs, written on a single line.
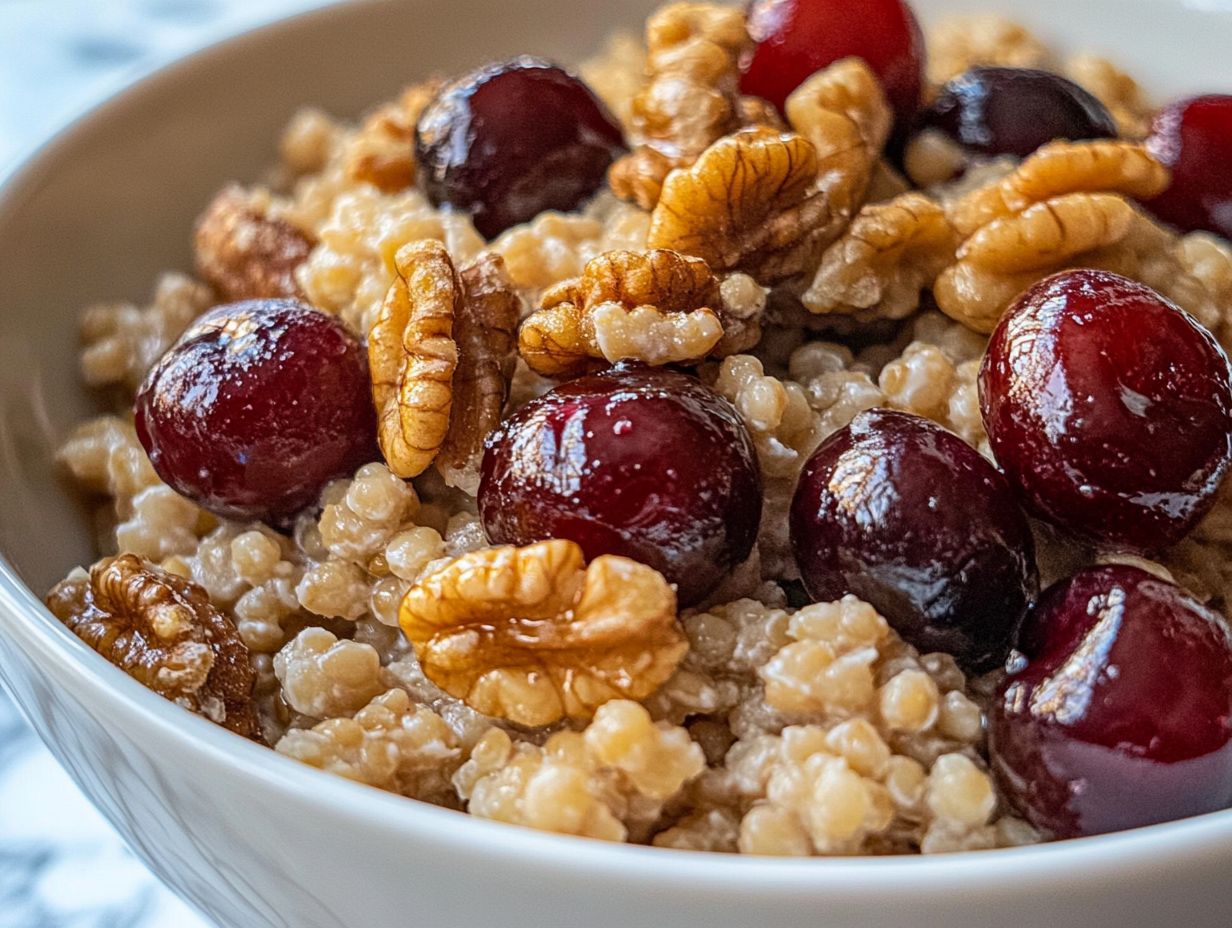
{"points": [[783, 731]]}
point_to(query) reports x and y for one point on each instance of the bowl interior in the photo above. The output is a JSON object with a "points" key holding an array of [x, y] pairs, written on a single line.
{"points": [[107, 205]]}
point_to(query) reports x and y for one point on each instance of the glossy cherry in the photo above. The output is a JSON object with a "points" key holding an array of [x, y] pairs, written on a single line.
{"points": [[635, 461], [1109, 408], [513, 139], [797, 38], [256, 407], [1013, 111], [1120, 713], [1194, 139], [911, 519]]}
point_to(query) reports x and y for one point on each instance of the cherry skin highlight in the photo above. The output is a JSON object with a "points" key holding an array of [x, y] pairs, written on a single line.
{"points": [[797, 38], [512, 139], [1014, 111], [1109, 408], [640, 462], [257, 407], [1120, 712], [911, 519], [1193, 138]]}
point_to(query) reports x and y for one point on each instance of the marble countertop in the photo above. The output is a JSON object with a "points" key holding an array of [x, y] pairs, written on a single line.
{"points": [[61, 865]]}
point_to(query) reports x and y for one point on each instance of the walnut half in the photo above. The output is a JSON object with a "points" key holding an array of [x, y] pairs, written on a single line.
{"points": [[659, 307], [749, 203], [533, 635], [441, 356], [766, 202], [1065, 206], [245, 254], [887, 256], [1059, 169], [691, 99], [162, 631], [1008, 255]]}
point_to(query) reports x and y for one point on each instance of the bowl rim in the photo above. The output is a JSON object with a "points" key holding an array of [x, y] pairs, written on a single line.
{"points": [[22, 612]]}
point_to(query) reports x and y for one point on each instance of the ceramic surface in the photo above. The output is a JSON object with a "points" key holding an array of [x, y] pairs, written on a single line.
{"points": [[257, 840], [61, 864]]}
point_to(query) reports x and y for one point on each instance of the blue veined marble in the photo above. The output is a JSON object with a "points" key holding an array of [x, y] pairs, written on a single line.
{"points": [[61, 865]]}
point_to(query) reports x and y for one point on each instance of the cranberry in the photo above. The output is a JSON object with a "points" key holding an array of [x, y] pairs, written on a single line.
{"points": [[911, 519], [797, 38], [1013, 111], [256, 407], [1121, 713], [645, 463], [513, 139], [1109, 408], [1194, 139]]}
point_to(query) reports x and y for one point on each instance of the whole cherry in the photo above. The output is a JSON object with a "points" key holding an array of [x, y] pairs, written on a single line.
{"points": [[256, 407], [911, 519], [1119, 712], [642, 462], [1014, 111], [796, 38], [1109, 408], [1193, 138], [512, 139]]}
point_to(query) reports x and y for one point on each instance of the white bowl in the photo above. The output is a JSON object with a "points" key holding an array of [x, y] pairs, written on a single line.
{"points": [[255, 839]]}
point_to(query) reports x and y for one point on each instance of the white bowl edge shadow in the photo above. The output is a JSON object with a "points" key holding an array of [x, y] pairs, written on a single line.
{"points": [[1050, 866]]}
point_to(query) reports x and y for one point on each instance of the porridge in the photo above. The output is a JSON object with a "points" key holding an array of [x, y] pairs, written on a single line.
{"points": [[769, 439]]}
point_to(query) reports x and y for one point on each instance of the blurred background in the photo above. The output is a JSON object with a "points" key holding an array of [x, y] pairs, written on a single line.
{"points": [[61, 865]]}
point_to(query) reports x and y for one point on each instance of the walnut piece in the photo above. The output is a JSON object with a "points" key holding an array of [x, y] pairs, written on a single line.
{"points": [[1063, 207], [746, 204], [484, 333], [412, 357], [768, 202], [533, 636], [382, 152], [889, 254], [1063, 168], [692, 97], [162, 631], [843, 112], [1009, 255], [440, 356], [245, 254], [659, 306]]}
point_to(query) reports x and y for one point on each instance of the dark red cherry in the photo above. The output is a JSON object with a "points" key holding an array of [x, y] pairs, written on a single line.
{"points": [[513, 139], [797, 38], [1109, 408], [911, 519], [1013, 111], [256, 407], [1194, 139], [641, 462], [1121, 713]]}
